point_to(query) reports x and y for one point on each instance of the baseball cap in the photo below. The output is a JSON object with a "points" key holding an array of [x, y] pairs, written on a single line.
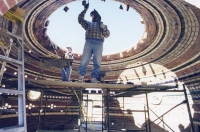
{"points": [[69, 47]]}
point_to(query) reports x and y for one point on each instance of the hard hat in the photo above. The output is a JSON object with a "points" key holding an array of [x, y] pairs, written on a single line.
{"points": [[69, 47]]}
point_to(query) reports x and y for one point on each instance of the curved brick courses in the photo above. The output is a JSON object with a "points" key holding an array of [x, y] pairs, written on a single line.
{"points": [[170, 50], [172, 30]]}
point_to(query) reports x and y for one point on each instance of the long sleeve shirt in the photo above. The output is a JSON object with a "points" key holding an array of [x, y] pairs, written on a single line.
{"points": [[69, 55], [93, 29]]}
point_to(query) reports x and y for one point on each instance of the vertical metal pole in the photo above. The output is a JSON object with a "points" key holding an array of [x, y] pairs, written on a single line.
{"points": [[87, 112], [66, 112], [44, 111], [38, 125], [102, 111], [80, 110], [108, 105], [92, 110], [79, 119], [123, 114], [21, 85], [145, 118], [2, 104], [188, 107], [163, 122], [148, 113]]}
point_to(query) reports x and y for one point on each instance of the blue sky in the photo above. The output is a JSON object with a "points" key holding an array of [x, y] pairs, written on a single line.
{"points": [[125, 26]]}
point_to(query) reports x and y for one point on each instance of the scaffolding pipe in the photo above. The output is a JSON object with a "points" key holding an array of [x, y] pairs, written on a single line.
{"points": [[87, 112], [80, 110], [102, 115], [44, 111], [66, 112], [148, 112], [160, 119], [2, 104], [84, 110], [169, 110], [108, 103], [38, 125], [123, 115], [188, 107], [145, 118]]}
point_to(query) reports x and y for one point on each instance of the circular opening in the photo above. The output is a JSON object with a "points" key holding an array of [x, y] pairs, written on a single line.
{"points": [[124, 26]]}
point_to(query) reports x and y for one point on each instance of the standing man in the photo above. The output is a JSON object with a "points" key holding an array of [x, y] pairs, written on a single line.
{"points": [[67, 71], [96, 31]]}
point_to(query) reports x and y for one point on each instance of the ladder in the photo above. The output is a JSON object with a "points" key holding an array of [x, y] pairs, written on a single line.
{"points": [[15, 15], [6, 48], [83, 110]]}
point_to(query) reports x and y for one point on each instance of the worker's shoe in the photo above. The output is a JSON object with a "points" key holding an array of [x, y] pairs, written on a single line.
{"points": [[94, 80], [81, 79]]}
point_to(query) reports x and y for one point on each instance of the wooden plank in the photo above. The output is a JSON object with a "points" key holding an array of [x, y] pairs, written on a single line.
{"points": [[3, 90], [56, 62], [13, 129], [63, 84], [81, 85]]}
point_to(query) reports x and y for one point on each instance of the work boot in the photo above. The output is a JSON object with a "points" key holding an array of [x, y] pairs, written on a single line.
{"points": [[94, 80], [81, 79]]}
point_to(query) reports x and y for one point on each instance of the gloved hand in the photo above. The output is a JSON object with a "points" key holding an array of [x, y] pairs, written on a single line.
{"points": [[102, 25], [70, 55], [86, 6], [66, 57]]}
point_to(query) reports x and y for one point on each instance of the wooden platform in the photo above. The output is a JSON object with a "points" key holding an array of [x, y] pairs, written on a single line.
{"points": [[80, 85], [62, 84], [56, 62]]}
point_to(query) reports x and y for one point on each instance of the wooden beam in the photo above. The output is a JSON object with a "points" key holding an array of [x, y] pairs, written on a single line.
{"points": [[62, 84]]}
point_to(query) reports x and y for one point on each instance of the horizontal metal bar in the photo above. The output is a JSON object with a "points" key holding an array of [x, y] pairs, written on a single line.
{"points": [[13, 129], [4, 47], [196, 122], [129, 130], [8, 110], [10, 60], [136, 110], [131, 93], [6, 33], [139, 90], [2, 90]]}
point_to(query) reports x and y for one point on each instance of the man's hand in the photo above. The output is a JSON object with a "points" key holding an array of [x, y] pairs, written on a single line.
{"points": [[102, 25], [86, 6], [70, 55]]}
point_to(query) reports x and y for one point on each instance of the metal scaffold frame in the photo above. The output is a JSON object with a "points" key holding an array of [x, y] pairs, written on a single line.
{"points": [[90, 117], [18, 40], [127, 90], [147, 109]]}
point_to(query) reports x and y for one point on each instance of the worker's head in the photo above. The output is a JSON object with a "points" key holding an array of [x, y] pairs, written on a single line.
{"points": [[69, 48], [95, 16]]}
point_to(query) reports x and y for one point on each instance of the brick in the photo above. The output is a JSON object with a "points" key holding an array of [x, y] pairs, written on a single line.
{"points": [[11, 3], [1, 3], [4, 9]]}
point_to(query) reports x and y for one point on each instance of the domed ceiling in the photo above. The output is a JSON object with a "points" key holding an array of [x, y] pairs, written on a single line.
{"points": [[167, 50]]}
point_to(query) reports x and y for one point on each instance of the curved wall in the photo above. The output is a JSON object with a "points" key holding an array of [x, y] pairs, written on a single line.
{"points": [[169, 52]]}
